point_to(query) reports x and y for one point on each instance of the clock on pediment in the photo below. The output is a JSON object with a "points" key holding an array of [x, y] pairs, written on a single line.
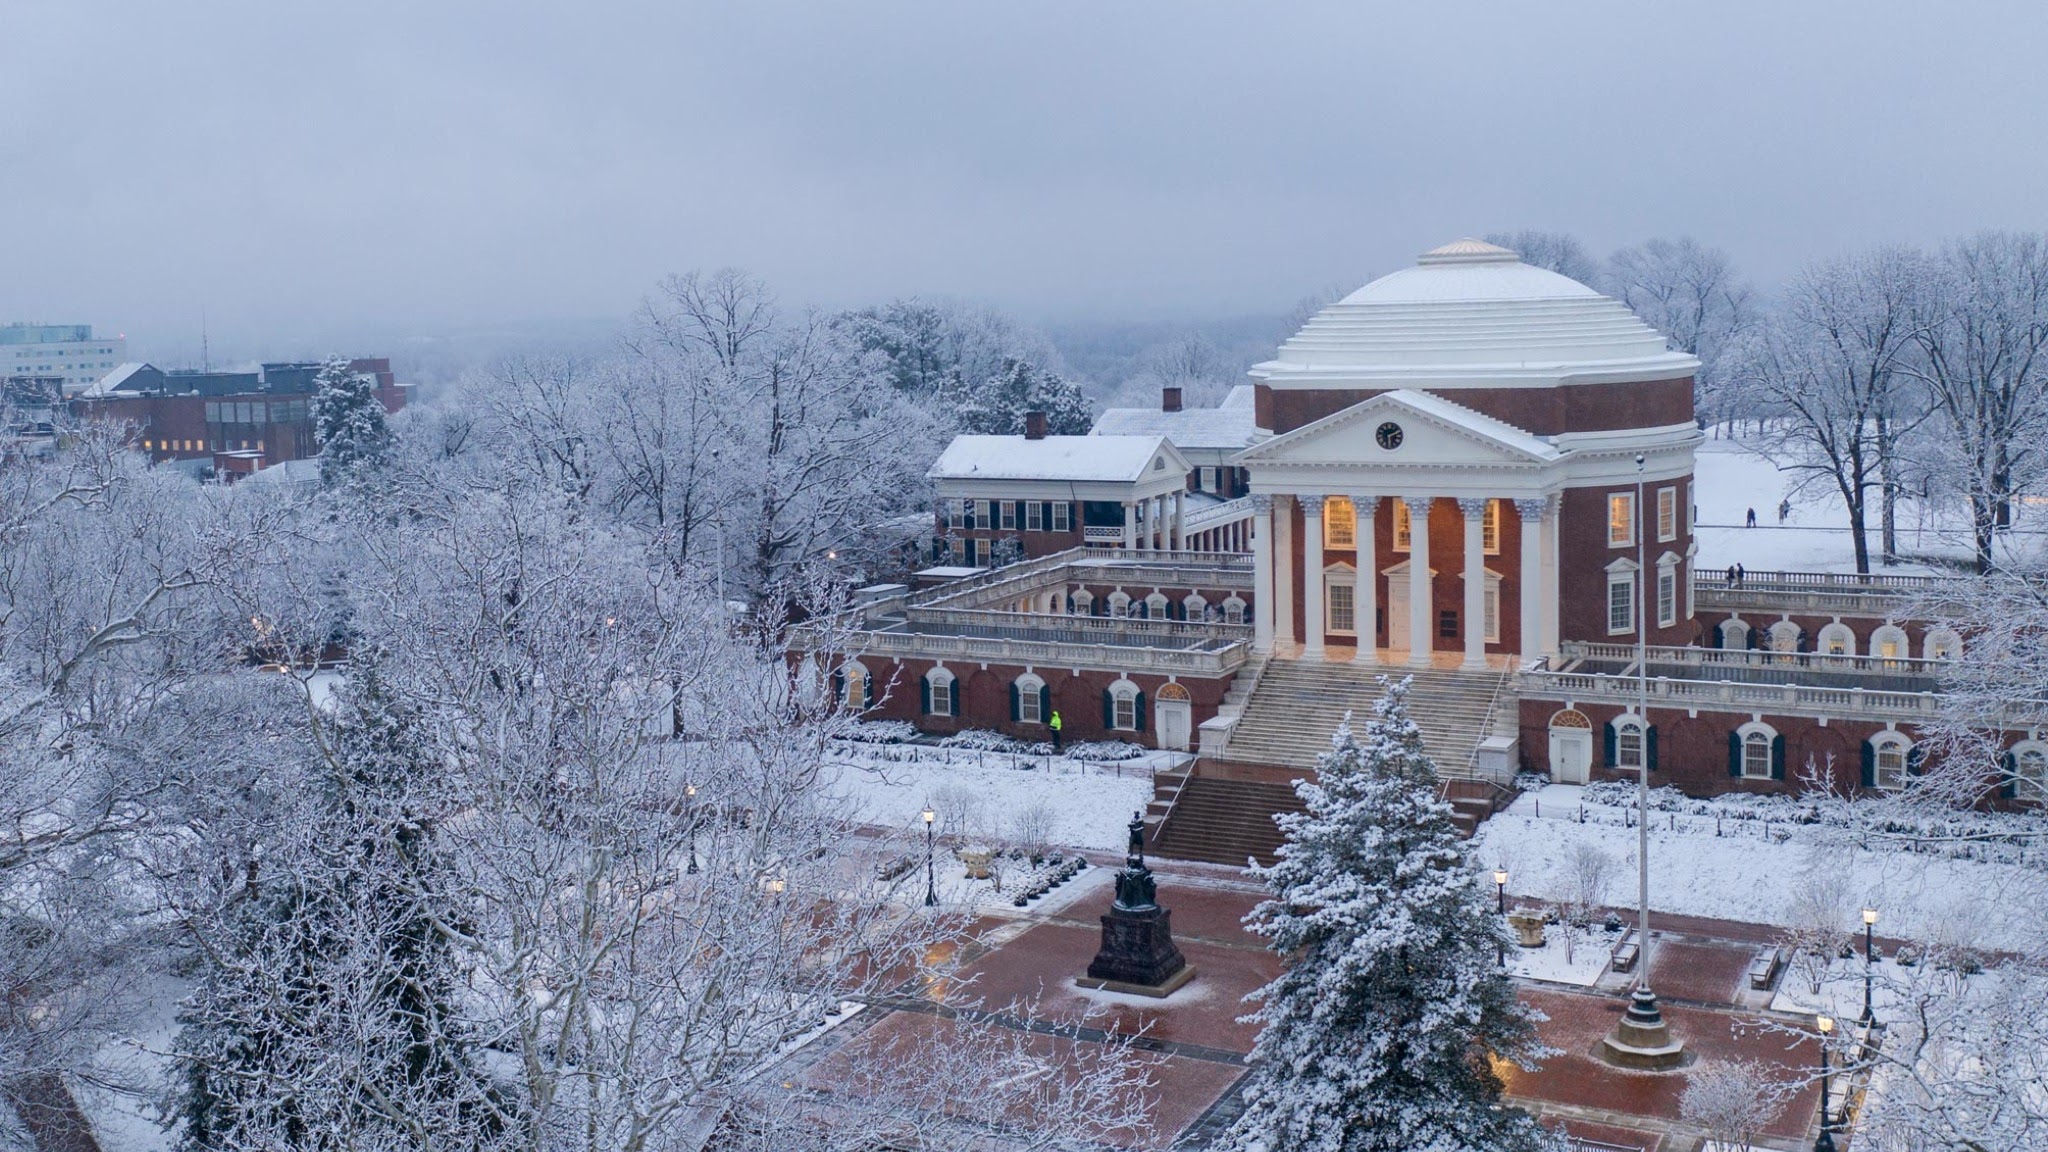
{"points": [[1388, 435]]}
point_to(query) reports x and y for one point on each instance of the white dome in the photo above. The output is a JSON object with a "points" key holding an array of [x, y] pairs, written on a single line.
{"points": [[1473, 315]]}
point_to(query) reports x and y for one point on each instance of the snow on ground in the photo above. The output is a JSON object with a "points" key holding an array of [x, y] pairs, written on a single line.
{"points": [[1751, 873], [980, 795], [1587, 958], [119, 1099]]}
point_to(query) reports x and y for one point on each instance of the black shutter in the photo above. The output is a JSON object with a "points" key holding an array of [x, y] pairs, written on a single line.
{"points": [[1611, 744], [1138, 711], [1735, 754], [1869, 764], [1108, 710], [1650, 747], [953, 697], [1777, 757], [839, 687], [1016, 705], [2010, 790], [1916, 760], [1801, 644], [1044, 703], [924, 695], [1713, 636]]}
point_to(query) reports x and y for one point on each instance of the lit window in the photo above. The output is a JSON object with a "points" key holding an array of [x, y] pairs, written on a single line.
{"points": [[1489, 532], [1060, 522], [1034, 516], [1888, 642], [1667, 513], [1340, 523], [1621, 520], [1756, 755], [1343, 611], [1400, 526], [1621, 602]]}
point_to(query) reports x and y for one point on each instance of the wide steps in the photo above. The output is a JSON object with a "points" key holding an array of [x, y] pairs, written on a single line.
{"points": [[1225, 821], [1289, 719]]}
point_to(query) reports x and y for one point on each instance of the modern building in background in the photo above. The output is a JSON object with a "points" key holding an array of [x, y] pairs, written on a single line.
{"points": [[235, 422], [68, 352]]}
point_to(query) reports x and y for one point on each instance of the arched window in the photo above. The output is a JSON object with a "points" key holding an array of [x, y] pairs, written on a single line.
{"points": [[859, 687], [941, 695], [1123, 707], [1785, 636], [1891, 758], [1194, 606], [1889, 643], [1030, 700], [1942, 644], [1837, 640], [1631, 738], [2029, 768], [1155, 606], [1734, 634], [1758, 752], [1233, 611], [1119, 604], [1084, 603]]}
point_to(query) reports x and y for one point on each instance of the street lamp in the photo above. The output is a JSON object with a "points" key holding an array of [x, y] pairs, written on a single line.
{"points": [[931, 888], [1869, 958], [1826, 1142], [1500, 897], [690, 806]]}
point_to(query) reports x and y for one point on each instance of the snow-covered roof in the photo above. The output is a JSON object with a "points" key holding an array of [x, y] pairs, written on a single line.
{"points": [[111, 383], [1116, 459], [1228, 426], [305, 471], [1472, 313]]}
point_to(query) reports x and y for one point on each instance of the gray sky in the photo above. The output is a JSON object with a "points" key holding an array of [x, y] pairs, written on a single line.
{"points": [[429, 165]]}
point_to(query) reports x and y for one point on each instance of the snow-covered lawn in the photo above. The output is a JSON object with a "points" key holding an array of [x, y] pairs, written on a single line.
{"points": [[1752, 872], [1581, 963], [983, 795]]}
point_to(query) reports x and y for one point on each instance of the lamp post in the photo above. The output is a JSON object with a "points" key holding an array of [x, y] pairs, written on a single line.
{"points": [[1869, 959], [1641, 527], [1500, 897], [931, 888], [1826, 1142], [690, 812]]}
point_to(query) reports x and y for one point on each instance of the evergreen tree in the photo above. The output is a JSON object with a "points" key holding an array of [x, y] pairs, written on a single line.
{"points": [[1378, 1037], [348, 422], [997, 406], [326, 1015]]}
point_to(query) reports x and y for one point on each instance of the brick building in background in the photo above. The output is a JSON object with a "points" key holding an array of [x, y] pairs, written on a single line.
{"points": [[232, 422]]}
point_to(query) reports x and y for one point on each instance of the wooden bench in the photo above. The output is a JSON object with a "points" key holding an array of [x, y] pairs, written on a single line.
{"points": [[1624, 956], [1764, 966]]}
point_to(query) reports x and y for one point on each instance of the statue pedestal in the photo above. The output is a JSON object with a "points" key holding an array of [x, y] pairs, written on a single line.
{"points": [[1138, 955]]}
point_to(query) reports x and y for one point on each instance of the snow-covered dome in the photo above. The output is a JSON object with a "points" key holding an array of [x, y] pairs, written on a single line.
{"points": [[1470, 314]]}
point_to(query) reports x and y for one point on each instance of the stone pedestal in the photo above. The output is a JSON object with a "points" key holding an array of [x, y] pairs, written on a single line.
{"points": [[1528, 928], [1138, 955], [1642, 1040]]}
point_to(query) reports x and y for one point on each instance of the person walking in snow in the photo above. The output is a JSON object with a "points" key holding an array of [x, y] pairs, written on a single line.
{"points": [[1784, 510], [1055, 725], [1752, 519]]}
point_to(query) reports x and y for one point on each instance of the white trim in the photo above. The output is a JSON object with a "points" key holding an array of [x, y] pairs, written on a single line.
{"points": [[1770, 735], [1879, 744], [1631, 719]]}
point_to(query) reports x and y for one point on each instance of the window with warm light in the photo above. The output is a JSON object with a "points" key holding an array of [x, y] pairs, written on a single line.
{"points": [[1401, 526], [1490, 529], [1667, 514], [1621, 519], [1340, 523]]}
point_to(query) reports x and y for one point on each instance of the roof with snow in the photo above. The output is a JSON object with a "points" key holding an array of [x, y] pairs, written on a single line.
{"points": [[1470, 312], [1230, 425], [1114, 459], [111, 383]]}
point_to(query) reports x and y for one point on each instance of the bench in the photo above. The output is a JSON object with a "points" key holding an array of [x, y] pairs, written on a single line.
{"points": [[1624, 957], [1764, 966]]}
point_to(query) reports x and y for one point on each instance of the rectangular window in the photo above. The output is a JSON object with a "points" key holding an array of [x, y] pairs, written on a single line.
{"points": [[1891, 765], [1009, 516], [1667, 514], [1490, 530], [1492, 613], [1340, 523], [982, 515], [1667, 595], [1027, 704], [1447, 624], [942, 698], [213, 411], [1034, 517], [1343, 611], [1621, 603], [1060, 518], [1621, 520], [1126, 712], [1756, 756], [1400, 526], [1206, 479], [958, 548], [1628, 746]]}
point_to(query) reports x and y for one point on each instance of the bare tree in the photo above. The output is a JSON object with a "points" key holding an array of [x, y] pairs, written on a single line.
{"points": [[1560, 252], [1732, 1100], [1587, 870], [1693, 295]]}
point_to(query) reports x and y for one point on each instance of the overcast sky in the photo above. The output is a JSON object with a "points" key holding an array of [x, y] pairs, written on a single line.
{"points": [[428, 165]]}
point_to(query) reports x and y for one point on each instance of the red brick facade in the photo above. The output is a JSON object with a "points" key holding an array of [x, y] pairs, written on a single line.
{"points": [[984, 699], [1543, 411]]}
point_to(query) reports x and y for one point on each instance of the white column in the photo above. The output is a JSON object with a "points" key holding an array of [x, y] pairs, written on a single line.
{"points": [[1474, 510], [1312, 577], [1534, 610], [1262, 573], [1283, 568], [1180, 520], [1130, 526], [1552, 516], [1421, 629], [1365, 601], [1161, 539]]}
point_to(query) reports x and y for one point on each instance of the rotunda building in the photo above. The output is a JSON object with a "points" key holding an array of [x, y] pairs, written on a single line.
{"points": [[1530, 440]]}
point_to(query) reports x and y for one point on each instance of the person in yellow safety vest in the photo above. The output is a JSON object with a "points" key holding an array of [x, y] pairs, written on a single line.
{"points": [[1054, 724]]}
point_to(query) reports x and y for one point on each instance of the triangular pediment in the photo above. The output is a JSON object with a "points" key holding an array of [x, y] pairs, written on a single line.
{"points": [[1405, 428]]}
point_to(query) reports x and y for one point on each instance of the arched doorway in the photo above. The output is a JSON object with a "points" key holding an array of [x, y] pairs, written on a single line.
{"points": [[1571, 746], [1176, 713]]}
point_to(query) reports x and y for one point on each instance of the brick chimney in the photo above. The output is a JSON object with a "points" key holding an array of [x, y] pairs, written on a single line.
{"points": [[1169, 398], [1034, 425]]}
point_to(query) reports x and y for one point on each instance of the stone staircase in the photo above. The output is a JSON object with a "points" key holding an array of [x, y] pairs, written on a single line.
{"points": [[1223, 821], [1296, 706]]}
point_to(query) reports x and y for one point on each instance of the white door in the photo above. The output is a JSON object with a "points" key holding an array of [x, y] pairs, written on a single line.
{"points": [[1176, 723], [1397, 612], [1571, 754]]}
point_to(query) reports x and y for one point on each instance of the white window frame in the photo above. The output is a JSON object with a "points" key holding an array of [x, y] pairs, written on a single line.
{"points": [[1195, 606], [1233, 610], [1748, 734], [1028, 688], [1006, 514], [1084, 603], [1734, 633], [1402, 534], [1783, 632], [1034, 516], [1123, 706], [1667, 514], [1491, 599], [983, 516], [1628, 725], [1155, 606], [1062, 517], [1205, 478], [1622, 579], [1489, 530], [940, 681], [1890, 742], [1120, 604], [1340, 524], [1835, 631], [1615, 501], [956, 514], [1941, 644], [1667, 595], [2030, 785], [1340, 601], [1902, 645]]}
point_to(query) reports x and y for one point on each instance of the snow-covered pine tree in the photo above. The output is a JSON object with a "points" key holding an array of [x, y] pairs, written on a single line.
{"points": [[348, 421], [997, 405], [1378, 1037]]}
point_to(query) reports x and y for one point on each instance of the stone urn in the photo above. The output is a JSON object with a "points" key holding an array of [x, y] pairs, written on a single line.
{"points": [[976, 857], [1528, 928]]}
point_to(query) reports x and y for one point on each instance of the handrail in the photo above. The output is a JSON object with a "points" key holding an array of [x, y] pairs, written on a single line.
{"points": [[1228, 512], [1486, 725]]}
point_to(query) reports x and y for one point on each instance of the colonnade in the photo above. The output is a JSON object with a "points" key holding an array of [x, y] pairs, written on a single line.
{"points": [[1161, 527], [1275, 580]]}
